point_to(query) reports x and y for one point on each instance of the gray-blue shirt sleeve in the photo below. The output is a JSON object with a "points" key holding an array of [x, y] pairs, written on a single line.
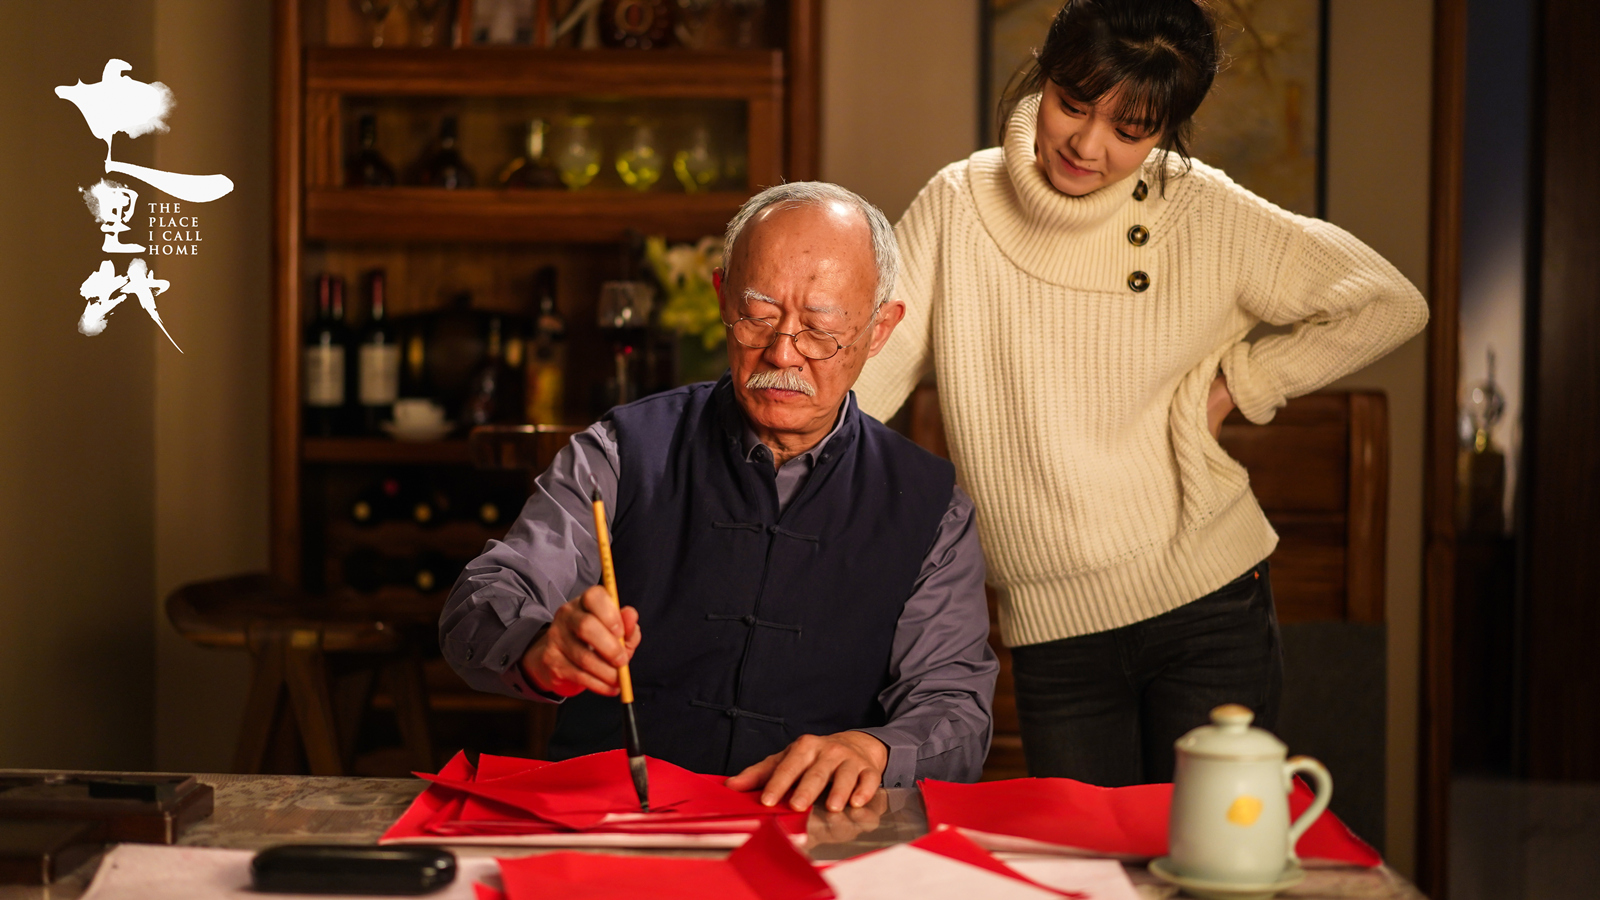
{"points": [[939, 704], [507, 596]]}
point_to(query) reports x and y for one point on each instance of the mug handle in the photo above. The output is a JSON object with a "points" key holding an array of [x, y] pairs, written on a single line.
{"points": [[1319, 805]]}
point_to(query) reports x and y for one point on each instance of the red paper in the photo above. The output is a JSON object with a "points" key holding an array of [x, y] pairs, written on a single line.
{"points": [[505, 796], [957, 846], [1128, 821], [767, 867]]}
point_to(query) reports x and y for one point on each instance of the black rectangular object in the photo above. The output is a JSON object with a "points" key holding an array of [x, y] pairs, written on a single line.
{"points": [[148, 790], [347, 869], [135, 807], [41, 852]]}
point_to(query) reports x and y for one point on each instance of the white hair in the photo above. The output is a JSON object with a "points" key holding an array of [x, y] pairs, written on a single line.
{"points": [[885, 251]]}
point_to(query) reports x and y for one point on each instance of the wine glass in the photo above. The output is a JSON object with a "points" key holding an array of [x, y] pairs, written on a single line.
{"points": [[639, 163], [696, 165], [577, 155], [426, 12], [748, 20], [375, 12]]}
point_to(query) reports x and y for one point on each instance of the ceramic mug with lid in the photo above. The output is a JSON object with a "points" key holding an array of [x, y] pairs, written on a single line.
{"points": [[1230, 802]]}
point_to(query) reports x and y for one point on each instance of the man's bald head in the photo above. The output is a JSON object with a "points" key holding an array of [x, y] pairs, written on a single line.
{"points": [[885, 251]]}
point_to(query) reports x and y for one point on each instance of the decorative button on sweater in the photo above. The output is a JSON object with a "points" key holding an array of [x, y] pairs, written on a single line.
{"points": [[1076, 409]]}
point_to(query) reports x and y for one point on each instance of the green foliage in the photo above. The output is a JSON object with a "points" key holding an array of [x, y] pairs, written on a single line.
{"points": [[684, 271]]}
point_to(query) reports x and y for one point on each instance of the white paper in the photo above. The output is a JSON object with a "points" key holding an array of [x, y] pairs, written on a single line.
{"points": [[907, 871], [600, 840], [145, 871], [1093, 879]]}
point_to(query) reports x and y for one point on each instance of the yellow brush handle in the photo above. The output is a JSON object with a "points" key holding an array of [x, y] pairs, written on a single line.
{"points": [[608, 576]]}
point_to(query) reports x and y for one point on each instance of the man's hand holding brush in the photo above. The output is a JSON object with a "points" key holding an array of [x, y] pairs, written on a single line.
{"points": [[582, 649]]}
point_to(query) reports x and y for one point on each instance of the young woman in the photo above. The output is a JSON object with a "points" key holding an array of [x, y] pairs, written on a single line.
{"points": [[1083, 293]]}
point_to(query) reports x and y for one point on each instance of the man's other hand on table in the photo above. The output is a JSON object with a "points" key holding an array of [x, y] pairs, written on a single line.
{"points": [[851, 761]]}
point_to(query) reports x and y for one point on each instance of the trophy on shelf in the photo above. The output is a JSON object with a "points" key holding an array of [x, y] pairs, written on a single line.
{"points": [[1480, 464]]}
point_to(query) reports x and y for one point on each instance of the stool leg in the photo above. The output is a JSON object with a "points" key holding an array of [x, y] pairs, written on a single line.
{"points": [[352, 693], [261, 706], [404, 674], [313, 709]]}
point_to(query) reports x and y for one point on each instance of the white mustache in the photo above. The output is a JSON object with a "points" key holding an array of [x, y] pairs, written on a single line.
{"points": [[780, 379]]}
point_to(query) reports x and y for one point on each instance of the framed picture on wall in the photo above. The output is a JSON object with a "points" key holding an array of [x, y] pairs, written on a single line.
{"points": [[1263, 122]]}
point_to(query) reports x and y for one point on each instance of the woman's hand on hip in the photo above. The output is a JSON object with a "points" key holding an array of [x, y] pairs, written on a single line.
{"points": [[1218, 405]]}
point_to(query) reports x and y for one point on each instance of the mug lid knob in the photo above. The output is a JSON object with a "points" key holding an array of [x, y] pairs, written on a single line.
{"points": [[1232, 717]]}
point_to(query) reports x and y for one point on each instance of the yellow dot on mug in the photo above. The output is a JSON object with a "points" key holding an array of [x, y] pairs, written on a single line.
{"points": [[1244, 810]]}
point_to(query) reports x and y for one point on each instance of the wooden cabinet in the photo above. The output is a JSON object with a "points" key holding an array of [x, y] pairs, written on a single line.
{"points": [[485, 239]]}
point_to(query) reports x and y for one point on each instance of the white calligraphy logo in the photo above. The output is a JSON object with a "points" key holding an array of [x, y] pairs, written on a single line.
{"points": [[119, 103]]}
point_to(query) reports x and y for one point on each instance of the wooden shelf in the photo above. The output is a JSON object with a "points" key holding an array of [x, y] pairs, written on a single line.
{"points": [[459, 539], [383, 451], [501, 71], [432, 214]]}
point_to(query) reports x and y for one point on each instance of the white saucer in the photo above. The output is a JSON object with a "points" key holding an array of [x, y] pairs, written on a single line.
{"points": [[418, 432], [1220, 890]]}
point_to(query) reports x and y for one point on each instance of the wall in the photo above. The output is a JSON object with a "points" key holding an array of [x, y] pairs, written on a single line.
{"points": [[895, 112], [75, 446], [1379, 95], [211, 419]]}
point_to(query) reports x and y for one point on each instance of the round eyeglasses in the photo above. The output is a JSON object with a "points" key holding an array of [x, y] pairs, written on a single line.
{"points": [[812, 343]]}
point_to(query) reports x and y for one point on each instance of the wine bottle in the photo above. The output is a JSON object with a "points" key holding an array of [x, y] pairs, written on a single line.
{"points": [[414, 349], [427, 503], [367, 570], [433, 571], [532, 169], [323, 355], [377, 502], [446, 169], [367, 167], [546, 367], [487, 389], [455, 351], [379, 357], [498, 507], [512, 401]]}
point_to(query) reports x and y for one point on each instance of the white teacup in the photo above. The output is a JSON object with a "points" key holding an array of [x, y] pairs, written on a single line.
{"points": [[412, 413], [1230, 802]]}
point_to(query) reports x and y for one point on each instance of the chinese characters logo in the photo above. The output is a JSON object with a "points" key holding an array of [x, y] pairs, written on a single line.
{"points": [[119, 103]]}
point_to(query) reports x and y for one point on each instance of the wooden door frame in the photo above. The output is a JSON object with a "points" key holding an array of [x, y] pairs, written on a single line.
{"points": [[1439, 547]]}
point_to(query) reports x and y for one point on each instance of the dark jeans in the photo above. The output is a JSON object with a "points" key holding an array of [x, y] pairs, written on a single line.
{"points": [[1106, 708]]}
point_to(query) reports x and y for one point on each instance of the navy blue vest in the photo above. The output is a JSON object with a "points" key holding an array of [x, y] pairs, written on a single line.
{"points": [[758, 627]]}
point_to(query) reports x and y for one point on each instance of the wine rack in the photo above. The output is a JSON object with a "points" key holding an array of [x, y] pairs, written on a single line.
{"points": [[761, 105]]}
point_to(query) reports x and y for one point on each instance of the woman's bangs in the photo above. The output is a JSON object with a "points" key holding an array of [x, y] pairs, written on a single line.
{"points": [[1143, 101]]}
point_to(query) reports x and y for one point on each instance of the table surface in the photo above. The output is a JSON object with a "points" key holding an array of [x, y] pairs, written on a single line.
{"points": [[255, 811]]}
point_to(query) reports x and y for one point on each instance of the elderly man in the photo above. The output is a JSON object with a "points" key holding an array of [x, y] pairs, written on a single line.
{"points": [[810, 583]]}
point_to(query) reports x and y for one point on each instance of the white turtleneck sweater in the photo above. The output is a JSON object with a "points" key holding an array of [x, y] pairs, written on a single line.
{"points": [[1075, 405]]}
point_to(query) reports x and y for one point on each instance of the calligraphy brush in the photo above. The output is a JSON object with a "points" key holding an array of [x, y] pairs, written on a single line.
{"points": [[630, 724]]}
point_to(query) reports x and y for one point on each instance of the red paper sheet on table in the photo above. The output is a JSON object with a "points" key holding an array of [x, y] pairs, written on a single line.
{"points": [[1129, 821], [767, 867], [504, 796]]}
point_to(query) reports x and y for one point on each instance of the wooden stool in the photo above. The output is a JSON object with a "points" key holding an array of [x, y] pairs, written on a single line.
{"points": [[294, 640]]}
